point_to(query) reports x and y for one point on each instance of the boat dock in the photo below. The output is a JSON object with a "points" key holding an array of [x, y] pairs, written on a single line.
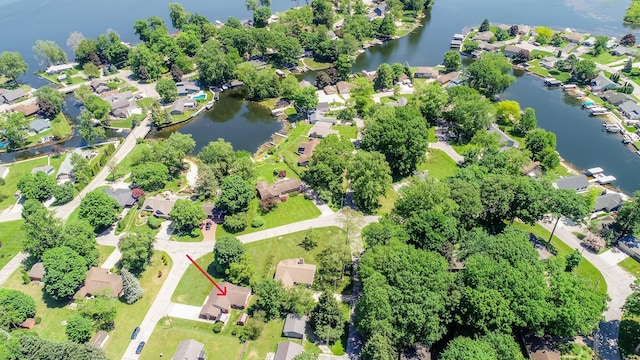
{"points": [[551, 82], [599, 176]]}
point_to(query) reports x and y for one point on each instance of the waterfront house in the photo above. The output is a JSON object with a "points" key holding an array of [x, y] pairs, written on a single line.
{"points": [[27, 110], [590, 42], [40, 125], [10, 96], [483, 45], [47, 169], [329, 89], [426, 72], [578, 183], [573, 37], [304, 83], [279, 188], [512, 51], [343, 87], [294, 326], [305, 150], [623, 51], [608, 202], [99, 86], [122, 104], [321, 130], [524, 29], [630, 109], [100, 281], [190, 350], [37, 272], [4, 171], [293, 272], [601, 83], [187, 87], [158, 206], [287, 350], [178, 106], [631, 246], [615, 98], [57, 69], [549, 62], [484, 36], [124, 197], [217, 308]]}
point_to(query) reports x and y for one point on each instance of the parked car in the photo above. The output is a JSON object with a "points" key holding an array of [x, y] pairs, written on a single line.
{"points": [[140, 347], [208, 226], [135, 332]]}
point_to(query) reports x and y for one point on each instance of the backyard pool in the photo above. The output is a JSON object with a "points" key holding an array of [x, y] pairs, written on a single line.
{"points": [[3, 144], [200, 97]]}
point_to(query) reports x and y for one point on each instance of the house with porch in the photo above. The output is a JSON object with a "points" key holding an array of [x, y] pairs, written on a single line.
{"points": [[217, 308], [293, 272], [601, 83], [99, 281]]}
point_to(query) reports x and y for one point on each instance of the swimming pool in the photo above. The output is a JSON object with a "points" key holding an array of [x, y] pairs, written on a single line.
{"points": [[200, 96], [3, 144]]}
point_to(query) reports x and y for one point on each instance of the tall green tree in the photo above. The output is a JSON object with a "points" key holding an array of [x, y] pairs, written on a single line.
{"points": [[79, 329], [214, 67], [167, 90], [384, 77], [88, 130], [306, 98], [50, 101], [628, 219], [370, 177], [452, 61], [326, 318], [150, 176], [490, 75], [227, 250], [49, 53], [16, 307], [136, 249], [42, 229], [78, 235], [186, 215], [462, 348], [102, 310], [236, 195], [470, 111], [38, 186], [12, 65], [64, 269], [326, 168], [178, 15], [322, 12], [99, 209], [131, 287]]}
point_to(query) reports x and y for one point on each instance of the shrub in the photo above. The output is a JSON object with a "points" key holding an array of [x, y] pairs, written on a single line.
{"points": [[2, 182], [196, 232], [154, 222], [38, 320], [236, 222], [25, 278], [257, 222], [217, 327]]}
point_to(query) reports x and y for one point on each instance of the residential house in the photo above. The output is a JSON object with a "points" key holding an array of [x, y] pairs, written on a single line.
{"points": [[279, 188], [601, 83], [630, 109], [208, 208], [4, 171], [122, 104], [541, 348], [294, 326], [158, 206], [573, 37], [178, 106], [402, 101], [426, 72], [549, 62], [305, 150], [484, 36], [56, 69], [615, 98], [590, 42], [27, 110], [623, 50], [321, 130], [47, 169], [124, 197], [187, 87], [631, 246], [304, 83], [608, 202], [99, 86], [217, 308], [445, 78], [37, 272], [99, 339], [578, 183], [247, 22], [456, 81], [524, 29], [294, 272], [287, 350], [512, 51], [40, 125], [318, 116], [65, 172], [343, 87], [190, 350], [329, 89], [331, 35], [483, 45], [28, 323], [100, 280], [9, 96]]}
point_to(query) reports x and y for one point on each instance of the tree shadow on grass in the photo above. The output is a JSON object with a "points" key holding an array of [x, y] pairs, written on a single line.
{"points": [[53, 303]]}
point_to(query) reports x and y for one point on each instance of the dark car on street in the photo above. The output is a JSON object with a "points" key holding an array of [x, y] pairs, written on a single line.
{"points": [[135, 332], [140, 347]]}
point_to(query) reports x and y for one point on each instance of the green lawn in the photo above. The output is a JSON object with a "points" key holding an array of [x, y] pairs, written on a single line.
{"points": [[431, 136], [536, 68], [585, 270], [288, 148], [194, 288], [631, 265], [266, 170], [295, 209], [145, 103], [346, 131], [104, 252], [439, 164], [629, 336], [11, 235], [603, 58], [130, 316], [387, 202], [268, 341], [186, 237], [540, 53], [124, 167], [169, 332], [17, 170], [315, 65], [182, 117]]}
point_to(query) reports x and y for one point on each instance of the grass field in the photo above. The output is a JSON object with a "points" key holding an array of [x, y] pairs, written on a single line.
{"points": [[439, 164], [346, 131], [387, 202], [124, 167], [130, 316], [17, 170], [11, 235], [585, 270], [289, 147], [631, 265], [104, 251], [604, 58], [266, 171], [193, 288], [267, 342]]}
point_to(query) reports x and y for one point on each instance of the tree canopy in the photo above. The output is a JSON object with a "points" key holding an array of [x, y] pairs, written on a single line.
{"points": [[65, 270], [99, 209]]}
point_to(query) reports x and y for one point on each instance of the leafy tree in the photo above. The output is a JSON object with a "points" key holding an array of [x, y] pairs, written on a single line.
{"points": [[271, 295], [207, 183], [178, 15], [98, 107], [539, 139], [88, 130], [384, 77], [241, 272], [383, 233], [370, 176], [452, 61], [131, 286], [332, 261], [470, 46], [99, 209], [310, 240], [261, 17], [78, 235], [150, 176], [176, 72], [136, 249], [343, 66], [12, 65], [322, 12], [325, 172], [213, 66], [260, 84], [227, 250], [508, 111], [50, 101], [49, 53], [167, 90], [322, 80], [584, 71], [102, 310], [12, 125], [527, 121], [160, 116], [305, 99], [544, 34], [38, 186], [628, 40], [504, 345], [30, 346], [387, 26], [484, 26], [79, 329], [186, 215], [565, 202], [430, 230], [462, 348], [145, 64], [306, 356], [470, 111], [433, 99], [600, 46], [398, 133], [237, 193], [549, 159], [289, 86], [91, 70], [65, 271], [490, 75], [42, 229], [16, 307], [628, 219], [326, 318]]}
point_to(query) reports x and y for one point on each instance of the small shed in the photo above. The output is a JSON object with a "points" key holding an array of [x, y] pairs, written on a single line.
{"points": [[30, 323], [294, 326], [99, 339], [37, 272], [243, 319]]}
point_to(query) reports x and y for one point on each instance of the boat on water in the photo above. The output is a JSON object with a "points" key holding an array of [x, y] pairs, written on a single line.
{"points": [[588, 104], [595, 111], [626, 141], [612, 128]]}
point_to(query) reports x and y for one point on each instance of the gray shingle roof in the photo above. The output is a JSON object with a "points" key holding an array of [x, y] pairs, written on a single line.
{"points": [[576, 182], [122, 196], [607, 202], [287, 350], [40, 125], [294, 325]]}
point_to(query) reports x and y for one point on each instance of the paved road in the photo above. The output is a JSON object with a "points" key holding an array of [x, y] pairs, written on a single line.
{"points": [[444, 146], [11, 267]]}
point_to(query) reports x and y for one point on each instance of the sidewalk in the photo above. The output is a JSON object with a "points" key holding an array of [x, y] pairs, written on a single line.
{"points": [[11, 267]]}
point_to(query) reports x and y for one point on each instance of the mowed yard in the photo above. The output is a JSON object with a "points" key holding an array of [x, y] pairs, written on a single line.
{"points": [[11, 235], [15, 173]]}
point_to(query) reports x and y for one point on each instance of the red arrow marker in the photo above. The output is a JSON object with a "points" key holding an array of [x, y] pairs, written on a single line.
{"points": [[222, 291]]}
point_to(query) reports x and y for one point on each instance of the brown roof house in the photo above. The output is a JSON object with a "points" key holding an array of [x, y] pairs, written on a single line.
{"points": [[279, 188], [321, 130], [445, 78], [29, 323], [343, 87], [190, 350], [217, 307], [287, 350], [159, 207], [27, 110], [294, 272], [98, 280], [99, 86], [426, 72], [305, 150], [37, 272]]}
